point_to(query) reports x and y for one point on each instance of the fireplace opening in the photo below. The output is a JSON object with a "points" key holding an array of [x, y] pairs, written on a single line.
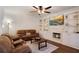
{"points": [[57, 35]]}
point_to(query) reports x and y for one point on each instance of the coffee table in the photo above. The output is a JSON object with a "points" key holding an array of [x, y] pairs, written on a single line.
{"points": [[40, 41]]}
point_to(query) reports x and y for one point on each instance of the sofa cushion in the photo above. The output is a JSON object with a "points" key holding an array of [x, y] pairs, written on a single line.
{"points": [[23, 48], [28, 34]]}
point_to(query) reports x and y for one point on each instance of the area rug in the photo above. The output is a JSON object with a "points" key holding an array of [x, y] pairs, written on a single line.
{"points": [[34, 46]]}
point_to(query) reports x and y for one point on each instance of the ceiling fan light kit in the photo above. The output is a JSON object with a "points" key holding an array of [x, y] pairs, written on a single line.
{"points": [[41, 9]]}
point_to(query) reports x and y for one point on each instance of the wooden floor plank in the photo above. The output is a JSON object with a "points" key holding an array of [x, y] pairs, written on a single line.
{"points": [[63, 48]]}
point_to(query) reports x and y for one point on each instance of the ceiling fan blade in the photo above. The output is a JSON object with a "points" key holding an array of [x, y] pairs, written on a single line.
{"points": [[47, 12], [40, 7], [35, 7], [48, 7]]}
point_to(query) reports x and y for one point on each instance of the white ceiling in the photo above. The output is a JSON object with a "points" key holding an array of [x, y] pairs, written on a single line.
{"points": [[55, 9], [28, 9]]}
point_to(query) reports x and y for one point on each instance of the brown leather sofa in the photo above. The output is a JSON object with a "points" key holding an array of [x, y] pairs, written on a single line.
{"points": [[7, 45], [23, 33]]}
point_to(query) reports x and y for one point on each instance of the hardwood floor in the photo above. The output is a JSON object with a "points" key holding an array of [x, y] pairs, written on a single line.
{"points": [[63, 48]]}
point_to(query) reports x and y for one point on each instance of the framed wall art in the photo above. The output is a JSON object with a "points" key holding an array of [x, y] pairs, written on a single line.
{"points": [[56, 20]]}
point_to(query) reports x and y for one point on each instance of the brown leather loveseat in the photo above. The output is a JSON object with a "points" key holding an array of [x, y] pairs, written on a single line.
{"points": [[31, 33], [7, 46]]}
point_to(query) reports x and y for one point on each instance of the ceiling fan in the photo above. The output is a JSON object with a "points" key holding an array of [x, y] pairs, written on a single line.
{"points": [[41, 9]]}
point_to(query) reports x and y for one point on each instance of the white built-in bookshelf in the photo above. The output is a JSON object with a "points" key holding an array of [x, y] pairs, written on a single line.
{"points": [[72, 22]]}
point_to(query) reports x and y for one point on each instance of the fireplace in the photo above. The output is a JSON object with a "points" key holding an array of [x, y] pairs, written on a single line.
{"points": [[56, 35]]}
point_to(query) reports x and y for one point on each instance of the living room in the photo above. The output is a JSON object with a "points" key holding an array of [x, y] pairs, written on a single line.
{"points": [[63, 34]]}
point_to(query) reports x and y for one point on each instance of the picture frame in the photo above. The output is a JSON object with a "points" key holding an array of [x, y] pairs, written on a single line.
{"points": [[56, 20]]}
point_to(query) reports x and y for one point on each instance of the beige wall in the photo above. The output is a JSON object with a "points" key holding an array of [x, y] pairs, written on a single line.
{"points": [[1, 17]]}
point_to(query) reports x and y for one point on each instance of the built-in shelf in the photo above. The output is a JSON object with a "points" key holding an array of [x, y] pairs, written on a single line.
{"points": [[72, 21]]}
